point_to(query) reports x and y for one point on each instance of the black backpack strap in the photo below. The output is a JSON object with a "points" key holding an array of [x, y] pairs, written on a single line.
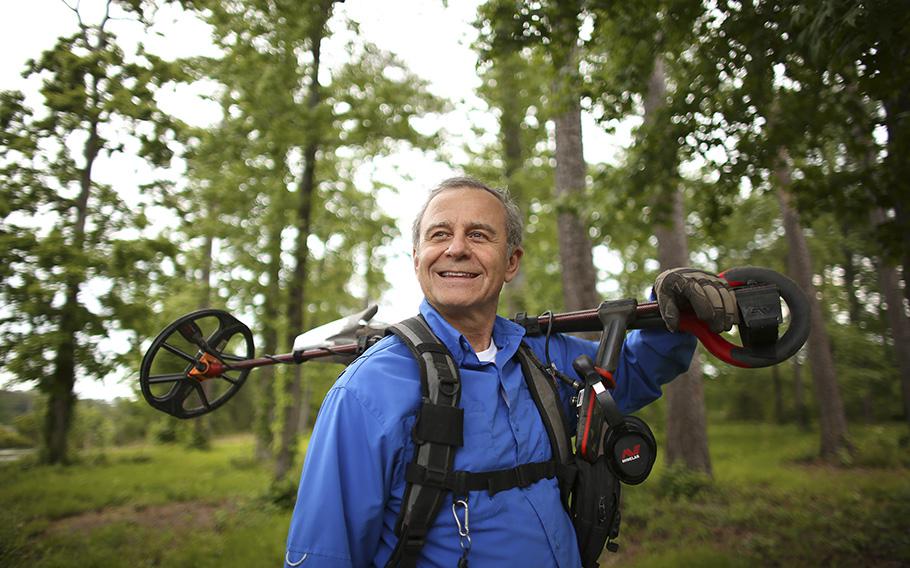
{"points": [[542, 387], [438, 432]]}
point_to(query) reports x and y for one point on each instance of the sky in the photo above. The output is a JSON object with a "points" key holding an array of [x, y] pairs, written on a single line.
{"points": [[433, 39]]}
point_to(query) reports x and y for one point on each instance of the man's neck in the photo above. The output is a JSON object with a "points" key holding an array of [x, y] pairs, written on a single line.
{"points": [[478, 330]]}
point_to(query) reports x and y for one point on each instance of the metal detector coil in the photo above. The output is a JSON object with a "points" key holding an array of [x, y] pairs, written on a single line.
{"points": [[187, 370]]}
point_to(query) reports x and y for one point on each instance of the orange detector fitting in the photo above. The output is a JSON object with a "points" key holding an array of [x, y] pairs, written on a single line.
{"points": [[211, 367]]}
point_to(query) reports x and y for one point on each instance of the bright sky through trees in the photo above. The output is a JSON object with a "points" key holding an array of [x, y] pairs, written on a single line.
{"points": [[433, 40]]}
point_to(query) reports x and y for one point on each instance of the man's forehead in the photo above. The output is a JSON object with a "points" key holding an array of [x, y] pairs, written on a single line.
{"points": [[466, 206]]}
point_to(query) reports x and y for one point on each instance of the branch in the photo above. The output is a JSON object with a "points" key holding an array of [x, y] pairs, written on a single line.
{"points": [[82, 26]]}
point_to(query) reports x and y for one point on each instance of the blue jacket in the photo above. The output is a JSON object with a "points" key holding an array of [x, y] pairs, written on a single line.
{"points": [[352, 482]]}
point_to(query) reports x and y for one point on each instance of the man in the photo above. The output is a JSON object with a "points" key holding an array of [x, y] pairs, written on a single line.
{"points": [[467, 244]]}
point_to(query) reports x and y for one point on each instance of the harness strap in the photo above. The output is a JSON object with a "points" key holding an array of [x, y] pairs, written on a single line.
{"points": [[460, 482], [438, 433]]}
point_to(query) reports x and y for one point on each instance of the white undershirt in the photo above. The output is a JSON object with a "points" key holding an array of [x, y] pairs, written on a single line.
{"points": [[488, 355]]}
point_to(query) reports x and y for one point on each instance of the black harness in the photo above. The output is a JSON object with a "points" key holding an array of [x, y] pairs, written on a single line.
{"points": [[438, 433]]}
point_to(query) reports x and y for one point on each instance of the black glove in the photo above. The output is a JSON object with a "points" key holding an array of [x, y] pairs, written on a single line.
{"points": [[710, 298]]}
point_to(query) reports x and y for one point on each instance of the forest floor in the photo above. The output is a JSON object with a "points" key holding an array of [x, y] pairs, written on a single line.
{"points": [[769, 504]]}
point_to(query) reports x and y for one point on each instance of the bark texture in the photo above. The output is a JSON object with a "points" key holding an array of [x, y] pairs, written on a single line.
{"points": [[832, 419], [61, 398], [579, 277], [687, 428], [889, 283], [295, 396]]}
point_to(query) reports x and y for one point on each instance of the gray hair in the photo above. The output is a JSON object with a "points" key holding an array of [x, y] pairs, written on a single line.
{"points": [[514, 222]]}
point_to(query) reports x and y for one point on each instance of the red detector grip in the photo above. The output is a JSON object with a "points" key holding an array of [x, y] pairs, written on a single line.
{"points": [[756, 356]]}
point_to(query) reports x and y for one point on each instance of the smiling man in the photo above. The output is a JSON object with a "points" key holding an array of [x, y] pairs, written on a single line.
{"points": [[360, 463]]}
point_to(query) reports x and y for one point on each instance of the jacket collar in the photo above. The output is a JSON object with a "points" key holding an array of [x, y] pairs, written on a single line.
{"points": [[507, 336]]}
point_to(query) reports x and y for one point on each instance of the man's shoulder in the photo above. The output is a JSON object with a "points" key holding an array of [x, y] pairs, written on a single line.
{"points": [[387, 364]]}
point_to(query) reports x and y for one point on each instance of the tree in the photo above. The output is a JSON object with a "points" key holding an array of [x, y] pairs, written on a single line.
{"points": [[551, 29], [861, 46], [633, 54], [65, 232], [517, 91], [302, 131], [746, 96], [834, 435]]}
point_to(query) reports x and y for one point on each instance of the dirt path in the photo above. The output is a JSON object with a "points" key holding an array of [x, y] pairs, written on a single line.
{"points": [[11, 455], [189, 514]]}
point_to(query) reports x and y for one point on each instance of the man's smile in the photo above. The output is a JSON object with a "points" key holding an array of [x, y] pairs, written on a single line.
{"points": [[457, 274]]}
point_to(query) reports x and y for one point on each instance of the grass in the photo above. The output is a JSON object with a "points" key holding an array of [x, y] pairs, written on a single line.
{"points": [[142, 506], [770, 505], [767, 506]]}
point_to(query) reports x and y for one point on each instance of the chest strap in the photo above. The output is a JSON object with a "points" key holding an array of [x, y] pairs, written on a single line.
{"points": [[438, 432], [460, 482]]}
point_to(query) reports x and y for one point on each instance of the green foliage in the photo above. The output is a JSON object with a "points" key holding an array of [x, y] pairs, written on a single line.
{"points": [[62, 231], [10, 438], [765, 507], [15, 403], [679, 482]]}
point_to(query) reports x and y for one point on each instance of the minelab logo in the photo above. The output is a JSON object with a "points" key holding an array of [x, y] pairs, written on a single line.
{"points": [[631, 454]]}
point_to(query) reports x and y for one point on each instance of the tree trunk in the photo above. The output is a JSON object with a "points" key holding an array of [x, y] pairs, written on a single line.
{"points": [[265, 386], [832, 420], [579, 278], [295, 396], [889, 283], [61, 398], [853, 305], [511, 116], [897, 124], [687, 430], [799, 396], [778, 395]]}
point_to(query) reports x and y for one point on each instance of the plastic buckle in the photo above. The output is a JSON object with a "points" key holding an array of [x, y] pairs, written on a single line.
{"points": [[460, 484], [434, 476]]}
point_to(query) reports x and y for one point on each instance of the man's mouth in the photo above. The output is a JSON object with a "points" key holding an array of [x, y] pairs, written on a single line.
{"points": [[457, 274]]}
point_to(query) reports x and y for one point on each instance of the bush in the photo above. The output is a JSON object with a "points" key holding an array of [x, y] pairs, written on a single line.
{"points": [[10, 438], [881, 451], [680, 482]]}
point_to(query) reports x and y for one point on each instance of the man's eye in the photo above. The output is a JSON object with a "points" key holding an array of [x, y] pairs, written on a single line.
{"points": [[477, 235]]}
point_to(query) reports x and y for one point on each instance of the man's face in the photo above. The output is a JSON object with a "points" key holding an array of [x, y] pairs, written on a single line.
{"points": [[462, 258]]}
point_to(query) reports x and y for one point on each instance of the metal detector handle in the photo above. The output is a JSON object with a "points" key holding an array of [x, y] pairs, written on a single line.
{"points": [[755, 356]]}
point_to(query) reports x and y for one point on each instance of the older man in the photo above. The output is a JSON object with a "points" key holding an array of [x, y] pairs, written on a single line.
{"points": [[467, 244]]}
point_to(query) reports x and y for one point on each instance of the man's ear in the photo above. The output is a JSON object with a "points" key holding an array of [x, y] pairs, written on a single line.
{"points": [[414, 257], [514, 263]]}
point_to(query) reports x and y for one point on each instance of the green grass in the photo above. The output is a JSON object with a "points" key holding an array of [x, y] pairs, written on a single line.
{"points": [[771, 505], [143, 506], [767, 506]]}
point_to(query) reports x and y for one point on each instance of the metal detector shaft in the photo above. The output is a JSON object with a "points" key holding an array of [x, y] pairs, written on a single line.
{"points": [[647, 316], [299, 357], [182, 357]]}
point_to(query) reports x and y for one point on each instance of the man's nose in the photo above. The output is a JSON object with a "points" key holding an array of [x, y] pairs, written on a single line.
{"points": [[458, 246]]}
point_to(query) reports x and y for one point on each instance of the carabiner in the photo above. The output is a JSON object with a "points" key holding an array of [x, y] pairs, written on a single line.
{"points": [[464, 531]]}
